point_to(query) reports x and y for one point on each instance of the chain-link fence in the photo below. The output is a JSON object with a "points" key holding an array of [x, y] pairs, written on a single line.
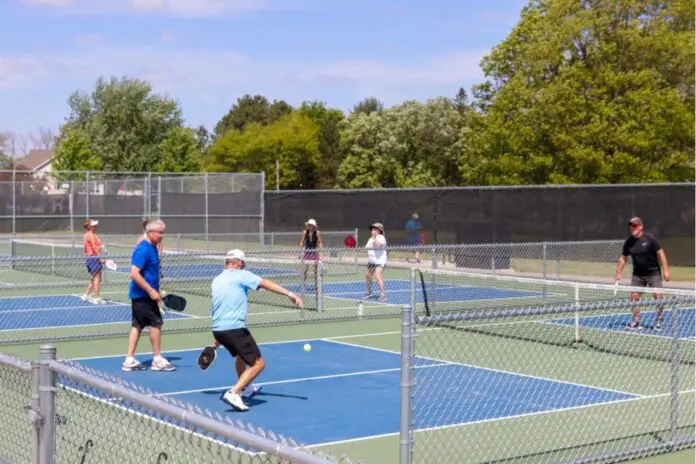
{"points": [[544, 371], [42, 285], [499, 214], [61, 412], [195, 203]]}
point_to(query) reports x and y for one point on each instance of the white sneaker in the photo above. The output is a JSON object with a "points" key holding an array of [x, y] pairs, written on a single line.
{"points": [[161, 364], [234, 400], [98, 301], [132, 364], [84, 298]]}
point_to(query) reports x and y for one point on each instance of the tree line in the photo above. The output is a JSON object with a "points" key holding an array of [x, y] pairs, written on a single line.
{"points": [[589, 91]]}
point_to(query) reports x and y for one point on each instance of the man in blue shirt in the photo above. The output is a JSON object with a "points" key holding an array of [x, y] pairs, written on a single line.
{"points": [[230, 306], [143, 291], [414, 234]]}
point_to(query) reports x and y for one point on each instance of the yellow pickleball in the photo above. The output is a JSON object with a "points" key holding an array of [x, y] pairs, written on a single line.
{"points": [[307, 347]]}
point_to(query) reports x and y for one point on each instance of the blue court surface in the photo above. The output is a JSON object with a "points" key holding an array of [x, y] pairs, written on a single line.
{"points": [[618, 322], [52, 311], [340, 391], [399, 292]]}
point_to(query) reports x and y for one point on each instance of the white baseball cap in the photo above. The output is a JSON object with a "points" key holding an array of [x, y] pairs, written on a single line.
{"points": [[235, 254], [311, 222], [93, 223]]}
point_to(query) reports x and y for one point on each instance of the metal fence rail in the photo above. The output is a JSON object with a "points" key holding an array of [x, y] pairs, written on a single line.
{"points": [[555, 377], [60, 412]]}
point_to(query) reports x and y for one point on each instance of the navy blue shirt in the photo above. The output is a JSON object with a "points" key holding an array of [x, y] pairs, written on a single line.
{"points": [[145, 258]]}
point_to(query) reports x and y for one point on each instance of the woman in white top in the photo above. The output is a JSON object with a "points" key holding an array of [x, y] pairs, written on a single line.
{"points": [[376, 259]]}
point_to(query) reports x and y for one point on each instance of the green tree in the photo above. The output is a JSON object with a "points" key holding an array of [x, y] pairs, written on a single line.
{"points": [[592, 91], [251, 109], [367, 106], [291, 141], [123, 126], [409, 145], [328, 138]]}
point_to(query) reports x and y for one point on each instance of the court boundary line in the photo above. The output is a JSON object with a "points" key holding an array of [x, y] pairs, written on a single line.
{"points": [[501, 371], [517, 416], [304, 379]]}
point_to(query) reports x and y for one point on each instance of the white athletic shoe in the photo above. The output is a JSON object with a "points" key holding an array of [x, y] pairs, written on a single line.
{"points": [[132, 364], [162, 365], [251, 391], [99, 301], [234, 400], [84, 298]]}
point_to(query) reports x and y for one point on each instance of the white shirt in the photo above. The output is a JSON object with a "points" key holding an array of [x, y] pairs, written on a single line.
{"points": [[377, 255]]}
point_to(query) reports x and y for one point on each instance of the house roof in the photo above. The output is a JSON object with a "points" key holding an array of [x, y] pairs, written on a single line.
{"points": [[37, 159]]}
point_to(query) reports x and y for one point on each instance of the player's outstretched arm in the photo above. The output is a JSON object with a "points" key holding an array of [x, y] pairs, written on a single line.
{"points": [[275, 288]]}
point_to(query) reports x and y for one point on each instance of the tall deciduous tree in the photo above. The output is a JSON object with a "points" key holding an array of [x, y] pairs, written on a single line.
{"points": [[251, 109], [590, 91], [123, 126], [328, 138], [291, 141], [409, 145]]}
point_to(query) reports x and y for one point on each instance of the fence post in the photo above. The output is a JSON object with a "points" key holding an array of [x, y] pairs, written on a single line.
{"points": [[14, 198], [405, 421], [36, 414], [414, 285], [87, 188], [262, 225], [674, 377], [207, 225], [47, 399]]}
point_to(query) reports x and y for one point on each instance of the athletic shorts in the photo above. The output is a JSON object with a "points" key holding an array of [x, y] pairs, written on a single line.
{"points": [[652, 281], [93, 264], [239, 342], [375, 266], [145, 313]]}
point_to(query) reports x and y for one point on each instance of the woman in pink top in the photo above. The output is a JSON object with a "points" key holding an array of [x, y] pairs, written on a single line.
{"points": [[93, 251]]}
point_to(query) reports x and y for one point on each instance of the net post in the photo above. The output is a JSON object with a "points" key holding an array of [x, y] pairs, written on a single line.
{"points": [[576, 288], [320, 286], [674, 374], [406, 385], [414, 284], [47, 400]]}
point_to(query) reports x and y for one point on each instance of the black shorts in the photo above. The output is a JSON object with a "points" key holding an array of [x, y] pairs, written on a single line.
{"points": [[374, 266], [145, 312], [653, 281], [239, 342]]}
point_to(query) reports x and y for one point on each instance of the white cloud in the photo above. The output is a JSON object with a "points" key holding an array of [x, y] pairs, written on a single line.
{"points": [[189, 67], [88, 39], [58, 3], [16, 72], [198, 7]]}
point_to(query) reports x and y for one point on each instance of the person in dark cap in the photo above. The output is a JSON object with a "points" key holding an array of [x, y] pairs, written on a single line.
{"points": [[649, 266]]}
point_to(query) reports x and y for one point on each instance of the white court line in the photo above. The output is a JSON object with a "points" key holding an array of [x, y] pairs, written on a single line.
{"points": [[489, 369], [304, 379], [498, 419]]}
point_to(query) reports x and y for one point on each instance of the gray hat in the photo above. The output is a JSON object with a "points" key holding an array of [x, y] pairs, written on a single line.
{"points": [[635, 221]]}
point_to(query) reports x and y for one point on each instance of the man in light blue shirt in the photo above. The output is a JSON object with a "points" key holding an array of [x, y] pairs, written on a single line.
{"points": [[230, 307]]}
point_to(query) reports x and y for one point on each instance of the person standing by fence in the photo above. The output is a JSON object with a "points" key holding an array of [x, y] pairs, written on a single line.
{"points": [[93, 251]]}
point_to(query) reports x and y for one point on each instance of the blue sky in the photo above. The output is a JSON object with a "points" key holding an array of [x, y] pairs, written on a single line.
{"points": [[207, 53]]}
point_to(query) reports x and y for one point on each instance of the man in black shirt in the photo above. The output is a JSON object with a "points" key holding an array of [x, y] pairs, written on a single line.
{"points": [[649, 266]]}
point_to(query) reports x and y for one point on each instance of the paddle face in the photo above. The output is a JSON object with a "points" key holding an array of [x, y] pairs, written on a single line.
{"points": [[206, 357], [174, 302]]}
